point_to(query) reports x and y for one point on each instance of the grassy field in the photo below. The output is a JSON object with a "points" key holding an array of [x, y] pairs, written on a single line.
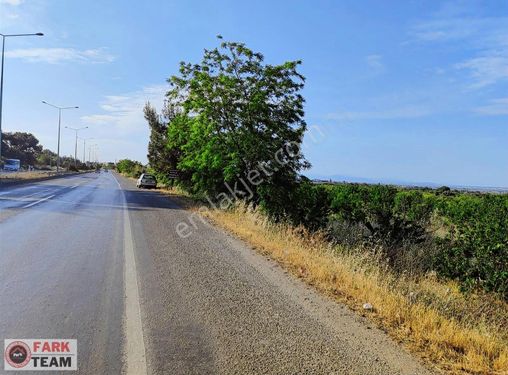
{"points": [[453, 332]]}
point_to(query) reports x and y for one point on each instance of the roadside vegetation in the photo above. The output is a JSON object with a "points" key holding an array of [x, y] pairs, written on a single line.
{"points": [[130, 168], [432, 263], [32, 155]]}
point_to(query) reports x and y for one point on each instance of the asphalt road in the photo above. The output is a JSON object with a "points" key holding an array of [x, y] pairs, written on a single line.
{"points": [[91, 257]]}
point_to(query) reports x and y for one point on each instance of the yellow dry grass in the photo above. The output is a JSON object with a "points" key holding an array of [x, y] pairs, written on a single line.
{"points": [[454, 333], [26, 175]]}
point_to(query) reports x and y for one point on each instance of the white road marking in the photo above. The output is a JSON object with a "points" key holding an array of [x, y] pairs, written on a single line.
{"points": [[134, 350], [23, 198], [39, 201], [18, 189]]}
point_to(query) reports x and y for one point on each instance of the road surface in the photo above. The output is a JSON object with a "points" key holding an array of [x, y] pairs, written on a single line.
{"points": [[92, 258]]}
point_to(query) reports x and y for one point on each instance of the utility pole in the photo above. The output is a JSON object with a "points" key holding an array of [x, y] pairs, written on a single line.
{"points": [[2, 77], [76, 144], [59, 123]]}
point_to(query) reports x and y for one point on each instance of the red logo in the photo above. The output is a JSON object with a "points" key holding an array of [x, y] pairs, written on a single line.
{"points": [[18, 354]]}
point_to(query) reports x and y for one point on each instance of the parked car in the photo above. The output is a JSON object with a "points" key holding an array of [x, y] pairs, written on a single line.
{"points": [[146, 181]]}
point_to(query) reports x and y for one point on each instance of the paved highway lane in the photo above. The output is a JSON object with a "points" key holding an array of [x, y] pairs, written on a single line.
{"points": [[61, 266], [93, 258]]}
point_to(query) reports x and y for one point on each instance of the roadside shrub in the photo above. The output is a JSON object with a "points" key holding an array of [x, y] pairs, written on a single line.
{"points": [[476, 249], [130, 168], [302, 203]]}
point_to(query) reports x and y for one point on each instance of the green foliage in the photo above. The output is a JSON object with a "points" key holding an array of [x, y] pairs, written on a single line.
{"points": [[129, 168], [162, 159], [46, 157], [240, 125], [300, 204], [22, 146], [389, 216], [476, 249]]}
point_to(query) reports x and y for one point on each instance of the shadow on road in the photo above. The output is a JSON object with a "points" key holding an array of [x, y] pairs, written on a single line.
{"points": [[141, 199]]}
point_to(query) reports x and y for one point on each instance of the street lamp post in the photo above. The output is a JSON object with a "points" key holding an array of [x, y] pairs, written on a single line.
{"points": [[90, 151], [59, 122], [76, 144], [84, 148], [2, 77]]}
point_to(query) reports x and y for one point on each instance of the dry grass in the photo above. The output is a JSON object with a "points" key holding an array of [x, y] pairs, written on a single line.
{"points": [[457, 334], [26, 175], [32, 175]]}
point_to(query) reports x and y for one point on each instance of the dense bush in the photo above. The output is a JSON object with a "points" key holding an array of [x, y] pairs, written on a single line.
{"points": [[311, 211], [130, 168], [472, 245], [475, 250]]}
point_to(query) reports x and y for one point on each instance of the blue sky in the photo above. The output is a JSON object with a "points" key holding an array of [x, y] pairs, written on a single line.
{"points": [[398, 90]]}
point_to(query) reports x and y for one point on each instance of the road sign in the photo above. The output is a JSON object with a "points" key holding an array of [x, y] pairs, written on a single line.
{"points": [[174, 173]]}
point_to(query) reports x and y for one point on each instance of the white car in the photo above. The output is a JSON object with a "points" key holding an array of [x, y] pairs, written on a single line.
{"points": [[146, 181]]}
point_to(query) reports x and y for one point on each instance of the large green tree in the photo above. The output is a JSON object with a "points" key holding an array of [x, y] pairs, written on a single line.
{"points": [[241, 123], [22, 146]]}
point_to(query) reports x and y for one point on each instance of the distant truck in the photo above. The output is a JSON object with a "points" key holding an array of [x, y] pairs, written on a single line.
{"points": [[12, 165]]}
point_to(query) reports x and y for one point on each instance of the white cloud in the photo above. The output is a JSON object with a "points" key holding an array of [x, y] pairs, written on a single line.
{"points": [[486, 70], [60, 55], [120, 127], [497, 107], [11, 2], [375, 62], [484, 38], [395, 113], [124, 112]]}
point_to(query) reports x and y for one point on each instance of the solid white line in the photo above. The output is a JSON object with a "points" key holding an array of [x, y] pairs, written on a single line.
{"points": [[39, 201], [134, 351]]}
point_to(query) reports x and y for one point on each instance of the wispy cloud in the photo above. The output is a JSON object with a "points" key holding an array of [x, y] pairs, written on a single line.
{"points": [[389, 114], [11, 2], [485, 38], [375, 62], [496, 107], [61, 55], [486, 70], [125, 111]]}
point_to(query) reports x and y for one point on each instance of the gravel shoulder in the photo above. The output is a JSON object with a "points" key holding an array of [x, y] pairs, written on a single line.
{"points": [[211, 304]]}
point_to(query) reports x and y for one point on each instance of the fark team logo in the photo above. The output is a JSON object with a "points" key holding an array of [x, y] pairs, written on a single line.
{"points": [[17, 354], [40, 354]]}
